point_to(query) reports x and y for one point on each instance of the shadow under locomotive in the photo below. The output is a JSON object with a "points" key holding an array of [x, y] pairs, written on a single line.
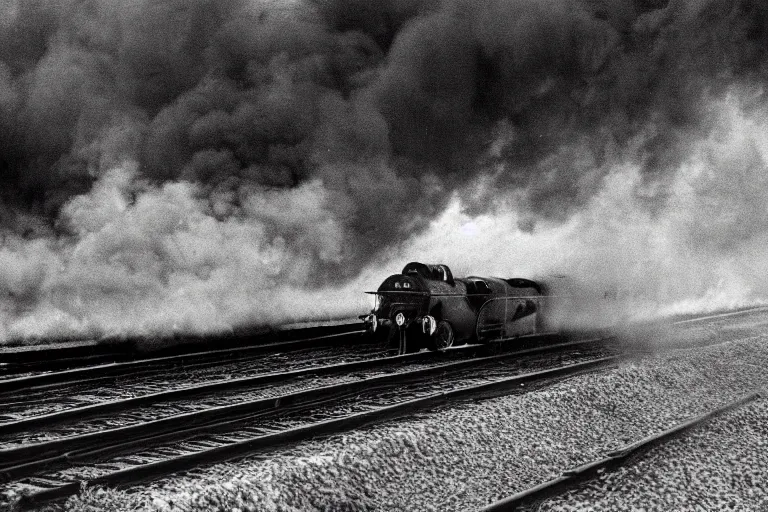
{"points": [[425, 306]]}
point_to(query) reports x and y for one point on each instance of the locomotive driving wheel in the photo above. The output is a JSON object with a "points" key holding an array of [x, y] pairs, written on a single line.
{"points": [[443, 336]]}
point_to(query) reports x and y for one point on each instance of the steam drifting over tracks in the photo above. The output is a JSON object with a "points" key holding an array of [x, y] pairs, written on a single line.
{"points": [[235, 430], [528, 499]]}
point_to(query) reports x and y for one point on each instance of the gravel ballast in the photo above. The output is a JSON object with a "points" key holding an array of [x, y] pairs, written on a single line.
{"points": [[717, 466], [464, 457]]}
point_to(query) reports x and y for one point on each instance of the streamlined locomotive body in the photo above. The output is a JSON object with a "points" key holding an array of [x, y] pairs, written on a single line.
{"points": [[425, 306]]}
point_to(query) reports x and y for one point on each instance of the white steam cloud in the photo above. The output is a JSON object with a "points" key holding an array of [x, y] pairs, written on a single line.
{"points": [[703, 251]]}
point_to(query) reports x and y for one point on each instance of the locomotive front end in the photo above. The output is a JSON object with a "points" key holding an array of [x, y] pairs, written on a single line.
{"points": [[400, 302]]}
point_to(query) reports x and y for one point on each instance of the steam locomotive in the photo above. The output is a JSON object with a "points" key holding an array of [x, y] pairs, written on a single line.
{"points": [[425, 306]]}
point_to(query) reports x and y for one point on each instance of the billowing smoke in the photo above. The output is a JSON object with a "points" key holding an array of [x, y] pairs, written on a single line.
{"points": [[198, 165]]}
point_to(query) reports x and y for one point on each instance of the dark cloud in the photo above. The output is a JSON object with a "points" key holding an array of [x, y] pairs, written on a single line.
{"points": [[268, 95]]}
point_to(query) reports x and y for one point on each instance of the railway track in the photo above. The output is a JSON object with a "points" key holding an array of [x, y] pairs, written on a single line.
{"points": [[529, 499], [16, 362], [146, 401], [52, 468], [86, 396], [193, 360], [92, 393]]}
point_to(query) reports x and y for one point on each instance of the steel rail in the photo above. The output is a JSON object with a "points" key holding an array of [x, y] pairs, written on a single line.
{"points": [[611, 461], [721, 315], [110, 370], [267, 378], [249, 446], [62, 362], [60, 355], [150, 372]]}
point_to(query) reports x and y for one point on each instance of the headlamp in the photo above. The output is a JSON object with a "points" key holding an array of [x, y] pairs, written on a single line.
{"points": [[428, 325], [400, 319]]}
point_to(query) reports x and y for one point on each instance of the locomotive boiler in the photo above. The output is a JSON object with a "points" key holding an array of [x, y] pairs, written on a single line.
{"points": [[426, 306]]}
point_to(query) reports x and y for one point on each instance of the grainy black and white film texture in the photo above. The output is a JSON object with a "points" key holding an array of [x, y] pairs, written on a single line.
{"points": [[192, 169]]}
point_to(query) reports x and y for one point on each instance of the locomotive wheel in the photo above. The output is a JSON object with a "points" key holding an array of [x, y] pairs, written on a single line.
{"points": [[443, 337]]}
